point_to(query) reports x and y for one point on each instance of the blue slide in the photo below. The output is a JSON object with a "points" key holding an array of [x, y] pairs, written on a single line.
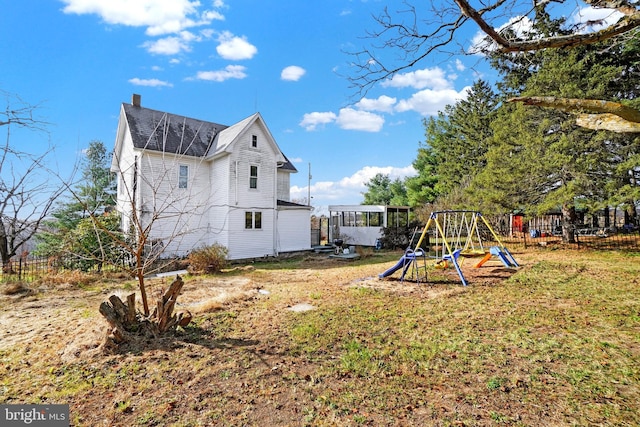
{"points": [[405, 261]]}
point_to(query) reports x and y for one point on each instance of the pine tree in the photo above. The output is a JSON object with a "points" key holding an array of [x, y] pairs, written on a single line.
{"points": [[540, 159], [91, 197]]}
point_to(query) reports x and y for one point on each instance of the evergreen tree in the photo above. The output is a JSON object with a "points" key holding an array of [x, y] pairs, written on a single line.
{"points": [[540, 159], [455, 146], [382, 191], [421, 189], [90, 197]]}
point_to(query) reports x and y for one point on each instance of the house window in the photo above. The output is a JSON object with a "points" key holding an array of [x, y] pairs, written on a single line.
{"points": [[253, 177], [254, 141], [253, 220], [183, 176]]}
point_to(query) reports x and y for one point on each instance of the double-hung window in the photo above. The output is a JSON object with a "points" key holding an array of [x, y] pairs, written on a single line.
{"points": [[183, 176], [252, 220], [253, 176]]}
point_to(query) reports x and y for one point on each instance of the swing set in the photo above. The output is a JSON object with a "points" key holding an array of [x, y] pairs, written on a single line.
{"points": [[455, 234]]}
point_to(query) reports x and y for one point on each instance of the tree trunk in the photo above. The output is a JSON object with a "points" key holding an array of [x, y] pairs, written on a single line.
{"points": [[4, 254], [568, 223], [127, 325]]}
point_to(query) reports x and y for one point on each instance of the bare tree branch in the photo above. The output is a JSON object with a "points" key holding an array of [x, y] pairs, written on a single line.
{"points": [[414, 36]]}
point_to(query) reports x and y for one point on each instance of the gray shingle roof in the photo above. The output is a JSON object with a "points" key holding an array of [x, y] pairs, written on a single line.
{"points": [[170, 133]]}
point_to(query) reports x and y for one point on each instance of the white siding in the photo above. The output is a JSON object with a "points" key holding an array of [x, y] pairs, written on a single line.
{"points": [[250, 243], [244, 243], [179, 221], [294, 230], [125, 172], [219, 202], [284, 186]]}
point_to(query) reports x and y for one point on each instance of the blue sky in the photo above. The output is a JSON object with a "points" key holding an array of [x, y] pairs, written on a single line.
{"points": [[78, 60]]}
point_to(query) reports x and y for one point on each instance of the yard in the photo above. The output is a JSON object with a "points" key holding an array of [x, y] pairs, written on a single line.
{"points": [[555, 343]]}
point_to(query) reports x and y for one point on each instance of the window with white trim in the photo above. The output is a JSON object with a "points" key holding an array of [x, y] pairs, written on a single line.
{"points": [[252, 220], [253, 176], [254, 141], [183, 176]]}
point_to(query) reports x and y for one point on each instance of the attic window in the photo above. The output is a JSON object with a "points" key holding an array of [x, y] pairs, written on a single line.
{"points": [[254, 141]]}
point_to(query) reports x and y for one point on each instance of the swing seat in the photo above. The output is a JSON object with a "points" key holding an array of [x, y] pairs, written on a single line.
{"points": [[473, 253]]}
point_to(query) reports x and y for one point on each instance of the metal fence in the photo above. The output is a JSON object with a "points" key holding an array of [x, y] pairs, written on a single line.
{"points": [[30, 268], [575, 237], [27, 269]]}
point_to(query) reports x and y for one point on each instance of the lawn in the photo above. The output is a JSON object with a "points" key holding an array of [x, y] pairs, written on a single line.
{"points": [[556, 342]]}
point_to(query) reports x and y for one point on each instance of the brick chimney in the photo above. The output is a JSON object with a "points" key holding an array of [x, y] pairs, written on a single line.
{"points": [[135, 100]]}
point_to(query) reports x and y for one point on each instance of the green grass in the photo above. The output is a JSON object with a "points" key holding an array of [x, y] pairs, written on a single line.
{"points": [[558, 343], [558, 331]]}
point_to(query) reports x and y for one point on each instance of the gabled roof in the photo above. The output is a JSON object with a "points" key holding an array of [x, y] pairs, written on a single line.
{"points": [[170, 133]]}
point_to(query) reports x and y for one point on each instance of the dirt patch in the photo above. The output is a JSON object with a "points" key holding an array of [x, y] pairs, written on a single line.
{"points": [[69, 316]]}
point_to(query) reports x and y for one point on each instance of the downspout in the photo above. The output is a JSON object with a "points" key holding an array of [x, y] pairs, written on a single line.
{"points": [[236, 183], [275, 210]]}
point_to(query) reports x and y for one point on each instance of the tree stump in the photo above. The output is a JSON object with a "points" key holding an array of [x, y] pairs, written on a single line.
{"points": [[126, 324]]}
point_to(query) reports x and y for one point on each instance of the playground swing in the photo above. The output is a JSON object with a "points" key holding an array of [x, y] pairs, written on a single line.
{"points": [[456, 235]]}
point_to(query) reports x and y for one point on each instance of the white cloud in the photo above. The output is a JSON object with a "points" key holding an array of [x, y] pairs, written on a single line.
{"points": [[235, 48], [167, 46], [459, 65], [351, 119], [434, 78], [428, 102], [383, 103], [159, 16], [520, 25], [347, 118], [149, 82], [310, 121], [292, 73], [592, 19], [349, 189], [229, 72]]}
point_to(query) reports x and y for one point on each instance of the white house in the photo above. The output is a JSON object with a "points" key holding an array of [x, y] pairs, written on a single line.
{"points": [[195, 183]]}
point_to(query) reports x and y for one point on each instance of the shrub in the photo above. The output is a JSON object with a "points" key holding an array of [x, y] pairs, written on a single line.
{"points": [[400, 237], [208, 259]]}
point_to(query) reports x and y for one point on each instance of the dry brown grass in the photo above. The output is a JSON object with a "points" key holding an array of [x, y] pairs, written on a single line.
{"points": [[556, 343]]}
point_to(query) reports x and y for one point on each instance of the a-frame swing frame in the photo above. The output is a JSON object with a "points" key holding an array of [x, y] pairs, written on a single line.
{"points": [[454, 251]]}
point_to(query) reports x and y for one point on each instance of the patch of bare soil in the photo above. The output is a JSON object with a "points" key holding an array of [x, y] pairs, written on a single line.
{"points": [[69, 315]]}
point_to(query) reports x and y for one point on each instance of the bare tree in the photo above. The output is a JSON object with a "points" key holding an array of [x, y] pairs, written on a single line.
{"points": [[414, 34], [27, 192]]}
